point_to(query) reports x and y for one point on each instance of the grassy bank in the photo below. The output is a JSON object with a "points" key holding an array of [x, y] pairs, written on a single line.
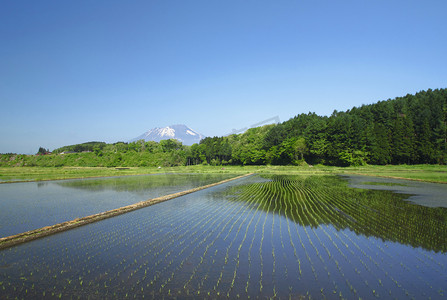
{"points": [[430, 173], [53, 173]]}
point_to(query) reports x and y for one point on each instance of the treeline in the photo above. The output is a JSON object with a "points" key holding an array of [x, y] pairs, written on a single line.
{"points": [[84, 147], [405, 130], [96, 154]]}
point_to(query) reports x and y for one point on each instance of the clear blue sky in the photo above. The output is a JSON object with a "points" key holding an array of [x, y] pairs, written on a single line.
{"points": [[79, 71]]}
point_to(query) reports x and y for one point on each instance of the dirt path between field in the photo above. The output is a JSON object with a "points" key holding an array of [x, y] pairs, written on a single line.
{"points": [[27, 236]]}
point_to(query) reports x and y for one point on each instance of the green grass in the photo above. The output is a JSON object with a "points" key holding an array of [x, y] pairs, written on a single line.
{"points": [[429, 173], [52, 173]]}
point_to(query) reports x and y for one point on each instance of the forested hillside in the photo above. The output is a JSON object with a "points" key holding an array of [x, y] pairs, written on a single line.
{"points": [[94, 154], [405, 130]]}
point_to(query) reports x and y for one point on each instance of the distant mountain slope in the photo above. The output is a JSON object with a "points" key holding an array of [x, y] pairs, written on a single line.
{"points": [[179, 132]]}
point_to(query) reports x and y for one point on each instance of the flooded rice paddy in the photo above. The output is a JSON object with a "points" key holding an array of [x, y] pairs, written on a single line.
{"points": [[30, 205], [284, 237]]}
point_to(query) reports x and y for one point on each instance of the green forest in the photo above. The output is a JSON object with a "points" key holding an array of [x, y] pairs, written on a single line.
{"points": [[404, 130]]}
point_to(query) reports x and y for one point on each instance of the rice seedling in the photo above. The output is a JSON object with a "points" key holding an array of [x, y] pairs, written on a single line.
{"points": [[271, 236]]}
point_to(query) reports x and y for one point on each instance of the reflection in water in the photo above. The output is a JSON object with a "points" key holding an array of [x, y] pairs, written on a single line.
{"points": [[143, 183], [31, 205], [424, 193], [281, 237], [315, 200]]}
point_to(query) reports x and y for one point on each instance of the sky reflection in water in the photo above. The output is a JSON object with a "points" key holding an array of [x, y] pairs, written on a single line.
{"points": [[283, 236]]}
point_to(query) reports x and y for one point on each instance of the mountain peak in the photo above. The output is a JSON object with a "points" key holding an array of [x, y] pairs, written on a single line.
{"points": [[180, 132]]}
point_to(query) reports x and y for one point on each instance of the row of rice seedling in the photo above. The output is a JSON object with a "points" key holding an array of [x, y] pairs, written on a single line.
{"points": [[324, 209], [332, 266], [298, 205], [188, 286], [367, 267], [196, 242], [207, 247], [370, 258], [278, 237], [274, 279], [256, 193], [54, 202], [250, 270], [164, 261], [82, 248], [232, 261], [312, 211]]}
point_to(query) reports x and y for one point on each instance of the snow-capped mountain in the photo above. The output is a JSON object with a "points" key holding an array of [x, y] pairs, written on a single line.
{"points": [[179, 132]]}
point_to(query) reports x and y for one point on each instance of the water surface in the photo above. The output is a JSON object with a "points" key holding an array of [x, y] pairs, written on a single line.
{"points": [[30, 205], [422, 193], [260, 237]]}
